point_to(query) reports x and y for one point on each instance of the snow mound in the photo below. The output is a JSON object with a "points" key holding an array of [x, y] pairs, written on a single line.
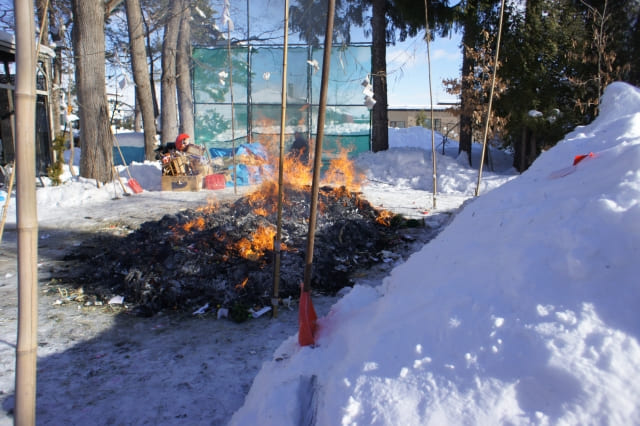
{"points": [[523, 311]]}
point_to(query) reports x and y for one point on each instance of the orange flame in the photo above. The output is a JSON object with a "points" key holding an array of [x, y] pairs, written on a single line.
{"points": [[384, 217], [297, 173], [262, 199], [261, 211], [342, 172], [212, 205], [243, 283], [196, 224], [261, 240]]}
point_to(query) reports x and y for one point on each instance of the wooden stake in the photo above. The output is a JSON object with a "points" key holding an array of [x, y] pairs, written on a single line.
{"points": [[317, 165], [433, 136], [27, 216], [233, 131], [493, 84], [117, 175], [283, 122]]}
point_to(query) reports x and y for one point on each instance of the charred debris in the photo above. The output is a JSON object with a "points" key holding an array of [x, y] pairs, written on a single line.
{"points": [[221, 256]]}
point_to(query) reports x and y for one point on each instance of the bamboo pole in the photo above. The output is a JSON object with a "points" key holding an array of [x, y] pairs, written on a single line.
{"points": [[433, 136], [27, 217], [233, 132], [493, 84], [317, 161], [283, 117]]}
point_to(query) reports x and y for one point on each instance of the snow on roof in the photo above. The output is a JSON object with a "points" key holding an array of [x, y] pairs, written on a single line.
{"points": [[439, 107]]}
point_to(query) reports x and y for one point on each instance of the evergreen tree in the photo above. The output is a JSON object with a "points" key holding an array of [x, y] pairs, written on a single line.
{"points": [[560, 54], [539, 66]]}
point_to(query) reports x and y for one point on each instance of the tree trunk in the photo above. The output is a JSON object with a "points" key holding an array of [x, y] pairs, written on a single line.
{"points": [[466, 121], [152, 72], [141, 75], [168, 110], [96, 138], [519, 157], [466, 95], [532, 149], [380, 136], [183, 69], [137, 117]]}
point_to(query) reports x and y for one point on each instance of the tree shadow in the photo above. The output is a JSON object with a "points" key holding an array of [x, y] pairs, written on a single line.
{"points": [[98, 364]]}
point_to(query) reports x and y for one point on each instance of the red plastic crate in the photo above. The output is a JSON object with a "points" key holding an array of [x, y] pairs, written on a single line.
{"points": [[215, 181]]}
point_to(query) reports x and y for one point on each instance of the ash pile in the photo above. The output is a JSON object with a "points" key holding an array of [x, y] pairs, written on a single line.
{"points": [[222, 255]]}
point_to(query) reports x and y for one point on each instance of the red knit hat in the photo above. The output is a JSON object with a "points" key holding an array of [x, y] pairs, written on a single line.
{"points": [[180, 144]]}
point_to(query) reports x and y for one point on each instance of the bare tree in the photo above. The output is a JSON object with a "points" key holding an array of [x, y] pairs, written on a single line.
{"points": [[96, 138], [168, 110], [144, 99], [57, 34], [183, 71]]}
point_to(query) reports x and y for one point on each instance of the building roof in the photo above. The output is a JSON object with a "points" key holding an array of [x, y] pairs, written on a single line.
{"points": [[438, 107], [8, 48]]}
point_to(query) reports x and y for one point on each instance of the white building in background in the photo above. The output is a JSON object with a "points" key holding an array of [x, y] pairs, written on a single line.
{"points": [[445, 120]]}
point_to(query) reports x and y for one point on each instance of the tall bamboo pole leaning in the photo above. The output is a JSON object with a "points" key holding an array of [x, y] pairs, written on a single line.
{"points": [[433, 136], [27, 216], [227, 18], [493, 85], [317, 159], [283, 118]]}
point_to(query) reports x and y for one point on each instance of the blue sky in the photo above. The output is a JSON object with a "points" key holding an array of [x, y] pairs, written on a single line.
{"points": [[408, 70]]}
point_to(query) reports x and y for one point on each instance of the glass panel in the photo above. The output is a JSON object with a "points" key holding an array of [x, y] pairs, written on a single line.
{"points": [[349, 67], [211, 75], [213, 124], [347, 121]]}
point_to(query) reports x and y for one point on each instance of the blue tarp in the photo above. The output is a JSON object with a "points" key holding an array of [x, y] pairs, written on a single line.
{"points": [[132, 147], [247, 174], [130, 153], [255, 149]]}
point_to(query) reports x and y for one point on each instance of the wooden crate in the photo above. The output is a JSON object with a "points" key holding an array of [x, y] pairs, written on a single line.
{"points": [[182, 183], [178, 166], [195, 150]]}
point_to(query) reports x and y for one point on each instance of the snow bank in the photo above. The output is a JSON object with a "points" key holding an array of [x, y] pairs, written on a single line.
{"points": [[523, 311]]}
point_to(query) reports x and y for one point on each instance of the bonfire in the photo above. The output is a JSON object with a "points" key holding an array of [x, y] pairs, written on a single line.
{"points": [[222, 255]]}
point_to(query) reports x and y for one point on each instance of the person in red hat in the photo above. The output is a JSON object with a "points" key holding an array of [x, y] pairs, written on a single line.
{"points": [[182, 141]]}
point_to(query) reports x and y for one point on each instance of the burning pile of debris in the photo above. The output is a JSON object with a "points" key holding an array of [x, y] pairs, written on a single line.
{"points": [[222, 255]]}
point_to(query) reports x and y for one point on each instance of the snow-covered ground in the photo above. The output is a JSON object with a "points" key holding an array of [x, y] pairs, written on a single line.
{"points": [[522, 311]]}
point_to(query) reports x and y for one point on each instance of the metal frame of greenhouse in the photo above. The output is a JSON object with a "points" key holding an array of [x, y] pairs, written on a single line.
{"points": [[255, 95]]}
